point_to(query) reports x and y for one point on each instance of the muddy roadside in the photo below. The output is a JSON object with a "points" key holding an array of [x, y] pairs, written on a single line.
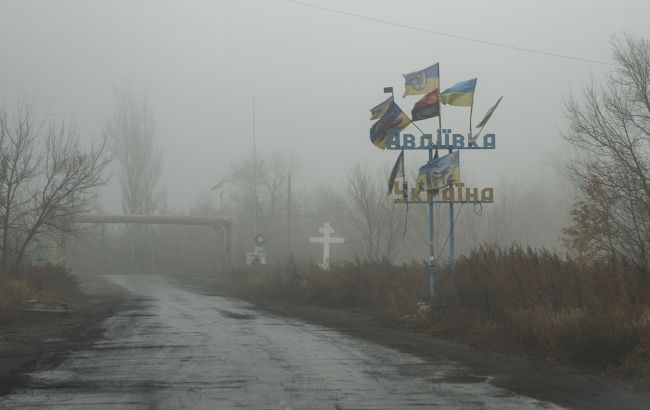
{"points": [[42, 340], [566, 386], [563, 385]]}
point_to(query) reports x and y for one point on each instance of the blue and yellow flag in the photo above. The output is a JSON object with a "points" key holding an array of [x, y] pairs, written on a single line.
{"points": [[460, 94], [380, 109], [422, 82], [439, 173], [393, 121], [488, 114]]}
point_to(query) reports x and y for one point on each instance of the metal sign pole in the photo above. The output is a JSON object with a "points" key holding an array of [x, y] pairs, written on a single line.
{"points": [[452, 232], [452, 239], [432, 252]]}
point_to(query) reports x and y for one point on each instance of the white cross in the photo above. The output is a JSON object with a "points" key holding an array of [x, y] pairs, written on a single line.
{"points": [[326, 240]]}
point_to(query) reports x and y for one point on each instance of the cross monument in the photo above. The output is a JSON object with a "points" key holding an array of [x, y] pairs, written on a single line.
{"points": [[326, 240]]}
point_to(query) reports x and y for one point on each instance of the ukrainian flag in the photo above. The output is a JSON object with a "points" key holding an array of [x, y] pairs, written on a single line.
{"points": [[488, 114], [393, 120], [423, 81], [439, 173], [460, 94], [380, 109]]}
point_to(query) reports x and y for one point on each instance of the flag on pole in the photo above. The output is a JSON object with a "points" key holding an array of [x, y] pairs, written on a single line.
{"points": [[481, 125], [380, 109], [394, 120], [422, 82], [427, 107], [439, 173], [460, 94], [398, 171], [488, 114]]}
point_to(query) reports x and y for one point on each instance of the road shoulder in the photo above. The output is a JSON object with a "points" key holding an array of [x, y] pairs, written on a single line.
{"points": [[563, 385], [43, 341]]}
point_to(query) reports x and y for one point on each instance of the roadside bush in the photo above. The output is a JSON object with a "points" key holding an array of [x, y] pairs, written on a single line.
{"points": [[47, 283], [52, 283], [549, 306], [12, 293], [600, 336], [371, 285], [515, 299]]}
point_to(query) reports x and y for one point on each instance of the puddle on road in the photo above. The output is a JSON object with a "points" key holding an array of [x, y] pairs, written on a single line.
{"points": [[459, 378], [235, 315]]}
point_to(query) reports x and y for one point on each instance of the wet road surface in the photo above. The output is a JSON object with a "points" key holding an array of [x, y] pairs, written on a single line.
{"points": [[177, 349]]}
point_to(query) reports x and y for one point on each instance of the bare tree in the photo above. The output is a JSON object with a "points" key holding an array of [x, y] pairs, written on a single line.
{"points": [[132, 129], [46, 179], [19, 166], [270, 182], [611, 129], [371, 216], [269, 198]]}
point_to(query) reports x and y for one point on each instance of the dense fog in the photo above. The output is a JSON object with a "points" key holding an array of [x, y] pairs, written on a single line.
{"points": [[313, 74]]}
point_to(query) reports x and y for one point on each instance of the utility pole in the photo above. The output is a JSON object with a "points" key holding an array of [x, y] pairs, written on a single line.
{"points": [[289, 215], [254, 174], [221, 199]]}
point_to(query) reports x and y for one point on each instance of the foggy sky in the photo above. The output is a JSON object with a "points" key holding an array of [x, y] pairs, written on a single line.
{"points": [[314, 76]]}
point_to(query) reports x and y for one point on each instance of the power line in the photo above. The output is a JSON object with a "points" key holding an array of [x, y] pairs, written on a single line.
{"points": [[449, 35]]}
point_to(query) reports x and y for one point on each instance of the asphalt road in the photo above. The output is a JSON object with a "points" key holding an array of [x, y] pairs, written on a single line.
{"points": [[178, 349]]}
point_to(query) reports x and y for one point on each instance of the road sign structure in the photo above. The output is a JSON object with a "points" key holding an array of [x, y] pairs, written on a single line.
{"points": [[461, 95]]}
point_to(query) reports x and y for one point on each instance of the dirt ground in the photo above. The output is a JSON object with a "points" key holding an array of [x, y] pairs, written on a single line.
{"points": [[42, 340]]}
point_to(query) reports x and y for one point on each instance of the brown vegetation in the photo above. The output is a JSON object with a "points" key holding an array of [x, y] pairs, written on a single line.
{"points": [[369, 285], [48, 284], [548, 306], [518, 300]]}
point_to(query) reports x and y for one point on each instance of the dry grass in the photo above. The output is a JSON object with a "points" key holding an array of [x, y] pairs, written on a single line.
{"points": [[49, 283], [369, 285], [516, 299], [545, 305]]}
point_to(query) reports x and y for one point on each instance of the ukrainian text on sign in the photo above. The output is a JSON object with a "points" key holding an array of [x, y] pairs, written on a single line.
{"points": [[444, 139], [458, 194]]}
